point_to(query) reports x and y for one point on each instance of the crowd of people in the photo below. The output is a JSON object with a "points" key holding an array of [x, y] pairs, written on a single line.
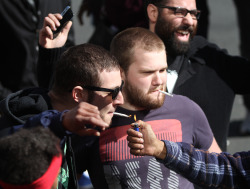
{"points": [[176, 86]]}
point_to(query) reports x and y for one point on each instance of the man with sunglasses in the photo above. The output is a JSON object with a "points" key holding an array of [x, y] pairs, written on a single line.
{"points": [[198, 69], [86, 81]]}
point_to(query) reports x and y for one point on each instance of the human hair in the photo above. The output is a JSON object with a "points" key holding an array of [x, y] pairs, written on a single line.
{"points": [[154, 2], [125, 42], [81, 65], [27, 154]]}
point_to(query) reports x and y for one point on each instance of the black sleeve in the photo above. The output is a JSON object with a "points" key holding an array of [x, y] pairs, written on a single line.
{"points": [[234, 70], [47, 60]]}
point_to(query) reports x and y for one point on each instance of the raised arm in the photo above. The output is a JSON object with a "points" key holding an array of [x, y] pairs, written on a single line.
{"points": [[83, 120], [50, 48]]}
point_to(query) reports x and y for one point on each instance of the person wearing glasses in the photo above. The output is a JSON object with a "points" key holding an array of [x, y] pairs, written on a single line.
{"points": [[86, 81], [142, 58], [208, 170], [198, 69]]}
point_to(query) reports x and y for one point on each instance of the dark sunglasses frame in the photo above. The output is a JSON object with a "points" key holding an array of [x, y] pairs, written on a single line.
{"points": [[194, 12], [114, 92]]}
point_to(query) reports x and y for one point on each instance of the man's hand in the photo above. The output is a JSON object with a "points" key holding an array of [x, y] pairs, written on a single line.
{"points": [[145, 142], [50, 24], [84, 114]]}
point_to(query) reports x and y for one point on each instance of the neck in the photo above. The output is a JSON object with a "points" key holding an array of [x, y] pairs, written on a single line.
{"points": [[129, 106], [61, 102]]}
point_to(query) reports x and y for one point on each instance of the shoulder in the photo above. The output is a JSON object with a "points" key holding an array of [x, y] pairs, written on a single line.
{"points": [[179, 100], [19, 106], [201, 46], [183, 104]]}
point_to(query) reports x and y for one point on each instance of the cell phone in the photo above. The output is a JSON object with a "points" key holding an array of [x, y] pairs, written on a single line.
{"points": [[67, 15]]}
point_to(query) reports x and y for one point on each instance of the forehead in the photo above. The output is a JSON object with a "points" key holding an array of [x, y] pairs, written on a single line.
{"points": [[148, 60], [110, 79], [189, 4]]}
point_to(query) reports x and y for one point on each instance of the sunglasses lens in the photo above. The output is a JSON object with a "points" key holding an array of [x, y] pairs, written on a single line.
{"points": [[116, 91]]}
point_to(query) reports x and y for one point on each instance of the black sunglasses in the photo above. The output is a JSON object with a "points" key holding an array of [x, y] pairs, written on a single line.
{"points": [[182, 12], [114, 92]]}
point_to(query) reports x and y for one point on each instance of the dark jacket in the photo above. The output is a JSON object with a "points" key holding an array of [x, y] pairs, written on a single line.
{"points": [[17, 107], [24, 109], [211, 78]]}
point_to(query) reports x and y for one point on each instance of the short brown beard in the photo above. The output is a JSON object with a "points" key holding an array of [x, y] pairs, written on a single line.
{"points": [[137, 98]]}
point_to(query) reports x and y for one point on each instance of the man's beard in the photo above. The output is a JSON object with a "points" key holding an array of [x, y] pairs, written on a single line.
{"points": [[138, 98], [166, 32]]}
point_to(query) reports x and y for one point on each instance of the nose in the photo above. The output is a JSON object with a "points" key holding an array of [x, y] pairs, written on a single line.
{"points": [[188, 20], [119, 99], [157, 80]]}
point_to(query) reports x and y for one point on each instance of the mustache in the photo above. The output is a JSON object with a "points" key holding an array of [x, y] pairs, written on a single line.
{"points": [[190, 29], [156, 89]]}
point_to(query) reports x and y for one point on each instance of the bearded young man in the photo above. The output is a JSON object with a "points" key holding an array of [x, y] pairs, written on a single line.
{"points": [[142, 57], [198, 69]]}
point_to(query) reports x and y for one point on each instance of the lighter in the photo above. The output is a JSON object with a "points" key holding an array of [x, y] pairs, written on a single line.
{"points": [[136, 126]]}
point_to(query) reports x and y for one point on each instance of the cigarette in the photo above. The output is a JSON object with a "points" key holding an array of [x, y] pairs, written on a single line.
{"points": [[166, 93], [120, 114]]}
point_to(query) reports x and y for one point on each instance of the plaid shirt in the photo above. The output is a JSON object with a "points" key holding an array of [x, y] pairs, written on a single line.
{"points": [[209, 170]]}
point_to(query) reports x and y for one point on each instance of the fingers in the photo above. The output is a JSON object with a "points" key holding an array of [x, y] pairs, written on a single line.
{"points": [[89, 114], [46, 37], [132, 139], [95, 122], [137, 152], [136, 145], [52, 20], [133, 133], [84, 114], [67, 27], [135, 142], [88, 132]]}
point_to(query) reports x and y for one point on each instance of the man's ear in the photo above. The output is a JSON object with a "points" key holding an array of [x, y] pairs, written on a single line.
{"points": [[152, 12], [79, 94]]}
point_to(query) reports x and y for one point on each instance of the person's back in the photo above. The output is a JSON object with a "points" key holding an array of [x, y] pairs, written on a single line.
{"points": [[30, 158]]}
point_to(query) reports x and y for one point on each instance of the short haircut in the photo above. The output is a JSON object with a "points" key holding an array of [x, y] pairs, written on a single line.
{"points": [[125, 42], [81, 65], [27, 154]]}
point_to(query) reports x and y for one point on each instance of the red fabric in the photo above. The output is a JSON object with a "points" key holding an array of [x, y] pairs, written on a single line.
{"points": [[44, 182]]}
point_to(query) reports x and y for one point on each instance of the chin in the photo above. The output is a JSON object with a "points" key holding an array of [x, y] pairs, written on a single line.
{"points": [[107, 120]]}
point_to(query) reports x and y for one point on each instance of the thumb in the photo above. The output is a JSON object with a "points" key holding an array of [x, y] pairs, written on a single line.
{"points": [[66, 28]]}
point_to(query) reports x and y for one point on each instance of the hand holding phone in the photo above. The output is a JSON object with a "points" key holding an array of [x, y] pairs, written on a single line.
{"points": [[67, 15]]}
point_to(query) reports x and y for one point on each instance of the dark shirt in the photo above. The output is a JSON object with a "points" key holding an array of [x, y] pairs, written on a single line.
{"points": [[211, 78]]}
